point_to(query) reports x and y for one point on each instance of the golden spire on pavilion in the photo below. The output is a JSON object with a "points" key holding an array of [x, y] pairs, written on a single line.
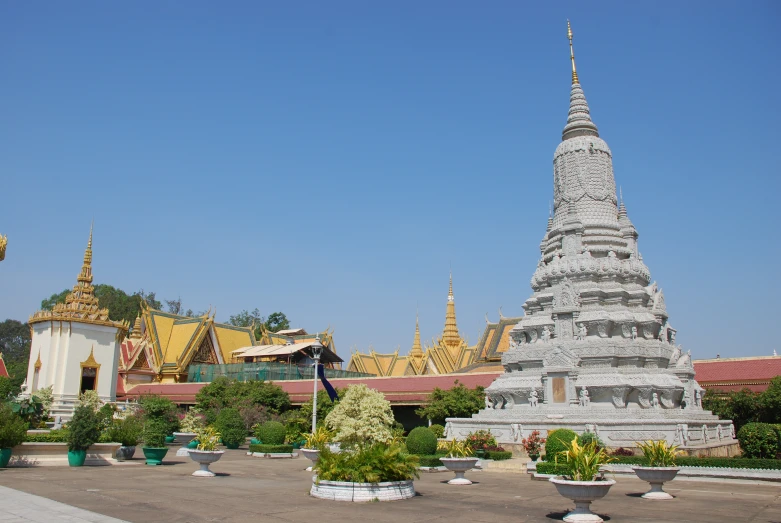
{"points": [[450, 334], [81, 304], [572, 55], [417, 348]]}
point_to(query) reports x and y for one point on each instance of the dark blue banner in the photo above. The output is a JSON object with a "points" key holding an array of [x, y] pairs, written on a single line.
{"points": [[328, 387]]}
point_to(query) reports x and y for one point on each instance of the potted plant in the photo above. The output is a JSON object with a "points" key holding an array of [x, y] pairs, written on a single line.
{"points": [[314, 442], [479, 441], [189, 425], [127, 432], [533, 444], [83, 431], [13, 431], [231, 425], [660, 468], [458, 460], [206, 453], [583, 482], [154, 447]]}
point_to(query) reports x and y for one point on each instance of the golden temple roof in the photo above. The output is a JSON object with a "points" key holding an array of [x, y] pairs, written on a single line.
{"points": [[81, 305]]}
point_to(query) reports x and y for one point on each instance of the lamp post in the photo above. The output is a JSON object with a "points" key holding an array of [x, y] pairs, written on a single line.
{"points": [[317, 351]]}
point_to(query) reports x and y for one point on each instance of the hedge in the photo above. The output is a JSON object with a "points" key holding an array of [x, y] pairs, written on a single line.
{"points": [[54, 436], [498, 455], [271, 449], [544, 467], [432, 460], [421, 441]]}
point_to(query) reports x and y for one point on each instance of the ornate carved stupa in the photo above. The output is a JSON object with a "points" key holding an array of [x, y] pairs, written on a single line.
{"points": [[595, 350]]}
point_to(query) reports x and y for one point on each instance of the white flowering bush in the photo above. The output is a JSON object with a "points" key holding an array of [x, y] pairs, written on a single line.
{"points": [[363, 416]]}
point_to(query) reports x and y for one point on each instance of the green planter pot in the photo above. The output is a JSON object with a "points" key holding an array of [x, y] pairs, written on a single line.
{"points": [[232, 446], [155, 455], [193, 444], [5, 457], [170, 439], [480, 453], [254, 441], [76, 458]]}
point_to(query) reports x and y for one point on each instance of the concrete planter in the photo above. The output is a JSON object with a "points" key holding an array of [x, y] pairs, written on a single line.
{"points": [[362, 492], [32, 454], [460, 466], [125, 453], [582, 493], [205, 458], [184, 439], [656, 476], [312, 455]]}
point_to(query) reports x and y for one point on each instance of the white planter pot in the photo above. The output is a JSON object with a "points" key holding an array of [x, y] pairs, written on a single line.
{"points": [[362, 492], [656, 476], [205, 458], [460, 466], [312, 455], [183, 438], [582, 493]]}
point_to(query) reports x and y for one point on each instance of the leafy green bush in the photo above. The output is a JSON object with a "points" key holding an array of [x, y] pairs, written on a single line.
{"points": [[457, 402], [224, 392], [431, 460], [271, 433], [13, 429], [438, 430], [155, 431], [362, 417], [589, 437], [557, 441], [271, 449], [758, 440], [374, 463], [231, 426], [421, 441], [498, 455], [549, 467], [160, 408], [83, 429], [53, 436], [480, 440], [125, 431]]}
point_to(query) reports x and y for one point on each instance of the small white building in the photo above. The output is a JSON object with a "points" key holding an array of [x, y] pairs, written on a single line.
{"points": [[75, 346]]}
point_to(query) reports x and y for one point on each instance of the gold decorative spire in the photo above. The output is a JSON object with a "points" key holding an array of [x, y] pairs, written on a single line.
{"points": [[81, 304], [417, 349], [572, 55], [3, 243], [136, 333], [450, 334]]}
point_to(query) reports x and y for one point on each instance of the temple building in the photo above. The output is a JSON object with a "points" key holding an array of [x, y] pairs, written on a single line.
{"points": [[448, 353], [595, 350], [75, 346]]}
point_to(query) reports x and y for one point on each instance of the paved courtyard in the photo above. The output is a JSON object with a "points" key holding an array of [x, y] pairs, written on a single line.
{"points": [[255, 489]]}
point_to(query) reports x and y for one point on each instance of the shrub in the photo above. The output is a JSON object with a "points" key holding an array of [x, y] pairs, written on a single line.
{"points": [[374, 463], [498, 455], [91, 399], [582, 463], [13, 429], [557, 441], [362, 417], [659, 453], [160, 408], [231, 426], [421, 441], [53, 436], [590, 437], [758, 440], [481, 440], [318, 438], [549, 467], [261, 448], [621, 451], [271, 433], [224, 392], [438, 430], [155, 431], [455, 448], [83, 429], [208, 439], [432, 460], [533, 444], [126, 431], [192, 421], [457, 402]]}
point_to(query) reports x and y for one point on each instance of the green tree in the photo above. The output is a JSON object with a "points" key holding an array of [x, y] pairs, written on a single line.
{"points": [[277, 321], [742, 407], [226, 393], [324, 407], [15, 347], [457, 402], [770, 402], [246, 319], [363, 416]]}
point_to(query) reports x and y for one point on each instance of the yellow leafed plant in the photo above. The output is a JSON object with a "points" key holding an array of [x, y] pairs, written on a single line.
{"points": [[583, 461], [659, 453], [455, 448]]}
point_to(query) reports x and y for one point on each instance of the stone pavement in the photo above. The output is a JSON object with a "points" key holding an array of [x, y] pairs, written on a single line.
{"points": [[255, 489], [19, 507]]}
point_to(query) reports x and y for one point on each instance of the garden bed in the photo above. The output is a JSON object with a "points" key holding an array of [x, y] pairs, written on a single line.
{"points": [[33, 454], [362, 492]]}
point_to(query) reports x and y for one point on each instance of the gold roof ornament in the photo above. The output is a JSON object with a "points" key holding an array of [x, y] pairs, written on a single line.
{"points": [[417, 348], [3, 243], [450, 335], [572, 54], [81, 304], [136, 332]]}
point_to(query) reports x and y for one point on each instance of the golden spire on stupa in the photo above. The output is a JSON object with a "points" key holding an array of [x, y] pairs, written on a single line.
{"points": [[572, 55], [450, 334], [3, 243], [81, 304], [417, 348]]}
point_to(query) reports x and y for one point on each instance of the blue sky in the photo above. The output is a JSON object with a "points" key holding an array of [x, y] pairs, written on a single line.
{"points": [[334, 160]]}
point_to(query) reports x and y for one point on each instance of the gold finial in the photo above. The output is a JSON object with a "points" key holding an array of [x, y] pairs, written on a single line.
{"points": [[450, 290], [572, 54], [3, 243]]}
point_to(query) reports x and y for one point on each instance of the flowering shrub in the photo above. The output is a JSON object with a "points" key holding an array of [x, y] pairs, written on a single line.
{"points": [[192, 421], [481, 440], [362, 416], [533, 444]]}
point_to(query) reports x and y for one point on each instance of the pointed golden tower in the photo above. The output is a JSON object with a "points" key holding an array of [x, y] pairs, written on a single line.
{"points": [[450, 334], [417, 348]]}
